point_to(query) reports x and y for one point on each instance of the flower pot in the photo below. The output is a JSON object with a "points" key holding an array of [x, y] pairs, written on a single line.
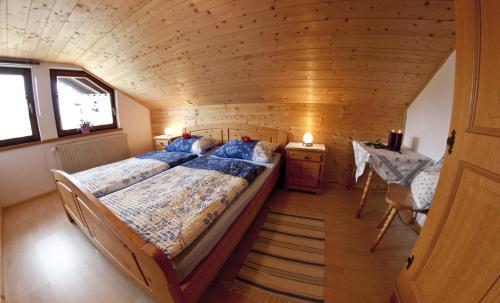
{"points": [[85, 129]]}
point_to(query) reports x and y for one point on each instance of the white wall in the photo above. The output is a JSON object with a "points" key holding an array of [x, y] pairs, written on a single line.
{"points": [[135, 120], [428, 117], [25, 172]]}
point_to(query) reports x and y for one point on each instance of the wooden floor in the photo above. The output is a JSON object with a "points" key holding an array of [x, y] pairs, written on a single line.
{"points": [[45, 258]]}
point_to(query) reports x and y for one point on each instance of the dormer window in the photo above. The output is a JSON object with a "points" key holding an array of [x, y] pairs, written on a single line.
{"points": [[79, 98]]}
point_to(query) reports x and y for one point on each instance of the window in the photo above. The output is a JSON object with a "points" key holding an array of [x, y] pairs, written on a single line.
{"points": [[81, 98], [18, 122]]}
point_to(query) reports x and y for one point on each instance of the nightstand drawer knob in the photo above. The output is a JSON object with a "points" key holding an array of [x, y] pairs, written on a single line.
{"points": [[306, 158]]}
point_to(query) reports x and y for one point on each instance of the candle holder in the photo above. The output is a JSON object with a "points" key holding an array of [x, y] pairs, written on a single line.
{"points": [[392, 138], [398, 140]]}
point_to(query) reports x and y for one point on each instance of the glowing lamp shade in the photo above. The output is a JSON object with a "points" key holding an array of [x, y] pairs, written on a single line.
{"points": [[167, 131], [307, 139]]}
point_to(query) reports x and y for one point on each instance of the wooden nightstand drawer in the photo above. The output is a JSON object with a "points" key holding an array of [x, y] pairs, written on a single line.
{"points": [[303, 173], [297, 155], [162, 142]]}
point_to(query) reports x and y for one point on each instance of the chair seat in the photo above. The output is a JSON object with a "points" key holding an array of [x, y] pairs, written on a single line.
{"points": [[399, 197]]}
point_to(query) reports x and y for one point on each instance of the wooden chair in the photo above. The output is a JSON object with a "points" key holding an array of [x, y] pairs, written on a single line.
{"points": [[399, 198]]}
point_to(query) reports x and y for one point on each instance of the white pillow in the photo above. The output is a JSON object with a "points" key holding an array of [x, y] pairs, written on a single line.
{"points": [[263, 151], [202, 145]]}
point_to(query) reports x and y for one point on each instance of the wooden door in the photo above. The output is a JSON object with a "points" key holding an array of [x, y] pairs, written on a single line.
{"points": [[457, 256]]}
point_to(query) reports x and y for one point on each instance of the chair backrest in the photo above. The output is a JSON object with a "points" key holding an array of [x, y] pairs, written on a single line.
{"points": [[423, 187]]}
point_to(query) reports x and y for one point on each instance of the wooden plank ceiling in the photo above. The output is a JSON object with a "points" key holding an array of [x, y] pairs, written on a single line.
{"points": [[343, 70], [206, 52]]}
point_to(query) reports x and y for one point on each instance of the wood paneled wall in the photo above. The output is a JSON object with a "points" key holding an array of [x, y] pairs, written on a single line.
{"points": [[334, 125]]}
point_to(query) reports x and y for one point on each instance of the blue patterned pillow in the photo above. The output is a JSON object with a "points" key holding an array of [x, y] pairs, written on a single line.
{"points": [[196, 144], [182, 145], [259, 151]]}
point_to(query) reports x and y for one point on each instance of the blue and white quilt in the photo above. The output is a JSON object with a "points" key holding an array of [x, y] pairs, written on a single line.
{"points": [[105, 179], [174, 207]]}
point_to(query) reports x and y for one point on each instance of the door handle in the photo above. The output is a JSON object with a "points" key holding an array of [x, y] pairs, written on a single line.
{"points": [[450, 141], [409, 261]]}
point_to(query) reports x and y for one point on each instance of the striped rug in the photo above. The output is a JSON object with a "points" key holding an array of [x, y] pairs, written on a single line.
{"points": [[287, 259]]}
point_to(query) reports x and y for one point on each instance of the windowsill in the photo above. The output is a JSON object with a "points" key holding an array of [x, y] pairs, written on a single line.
{"points": [[70, 137], [65, 138]]}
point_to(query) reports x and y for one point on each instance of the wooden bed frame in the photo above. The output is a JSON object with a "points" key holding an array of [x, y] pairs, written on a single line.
{"points": [[143, 262]]}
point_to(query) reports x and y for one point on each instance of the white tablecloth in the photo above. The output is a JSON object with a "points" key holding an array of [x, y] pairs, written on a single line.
{"points": [[393, 167]]}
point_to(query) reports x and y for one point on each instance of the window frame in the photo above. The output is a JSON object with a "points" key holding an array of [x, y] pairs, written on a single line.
{"points": [[28, 87], [54, 73]]}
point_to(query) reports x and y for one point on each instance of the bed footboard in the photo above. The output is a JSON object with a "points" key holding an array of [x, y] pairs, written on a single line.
{"points": [[142, 262]]}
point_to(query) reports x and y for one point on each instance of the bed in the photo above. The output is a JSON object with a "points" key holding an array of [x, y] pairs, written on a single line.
{"points": [[186, 276]]}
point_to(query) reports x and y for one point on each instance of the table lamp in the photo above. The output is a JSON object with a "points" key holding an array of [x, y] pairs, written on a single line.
{"points": [[307, 140]]}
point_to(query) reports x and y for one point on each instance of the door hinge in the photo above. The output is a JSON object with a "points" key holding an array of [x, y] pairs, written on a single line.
{"points": [[450, 141], [409, 261]]}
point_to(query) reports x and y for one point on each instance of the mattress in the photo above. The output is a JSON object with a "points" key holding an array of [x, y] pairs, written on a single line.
{"points": [[187, 260]]}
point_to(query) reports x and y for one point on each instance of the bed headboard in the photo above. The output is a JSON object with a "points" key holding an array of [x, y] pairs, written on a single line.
{"points": [[225, 132]]}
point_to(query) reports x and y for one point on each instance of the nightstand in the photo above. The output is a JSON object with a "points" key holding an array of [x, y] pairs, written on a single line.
{"points": [[305, 166], [160, 142]]}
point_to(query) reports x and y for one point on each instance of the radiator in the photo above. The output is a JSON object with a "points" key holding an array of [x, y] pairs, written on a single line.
{"points": [[84, 154]]}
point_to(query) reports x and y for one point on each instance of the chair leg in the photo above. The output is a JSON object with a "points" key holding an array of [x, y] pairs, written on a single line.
{"points": [[386, 214], [410, 220], [387, 223]]}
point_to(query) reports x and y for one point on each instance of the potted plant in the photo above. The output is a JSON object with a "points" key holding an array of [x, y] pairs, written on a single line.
{"points": [[85, 126]]}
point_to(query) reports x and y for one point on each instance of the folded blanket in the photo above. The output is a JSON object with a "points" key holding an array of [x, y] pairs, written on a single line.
{"points": [[174, 207], [172, 159], [242, 169], [105, 179]]}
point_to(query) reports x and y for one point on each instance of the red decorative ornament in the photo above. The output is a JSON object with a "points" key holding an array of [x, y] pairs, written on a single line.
{"points": [[246, 139], [186, 136]]}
